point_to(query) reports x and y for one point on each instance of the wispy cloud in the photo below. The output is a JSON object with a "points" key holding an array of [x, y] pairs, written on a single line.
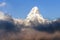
{"points": [[2, 4]]}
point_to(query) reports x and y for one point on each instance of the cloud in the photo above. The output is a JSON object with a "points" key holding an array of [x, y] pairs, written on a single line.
{"points": [[5, 16], [2, 4]]}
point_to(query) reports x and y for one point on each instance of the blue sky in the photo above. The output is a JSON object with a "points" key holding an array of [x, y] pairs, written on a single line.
{"points": [[20, 8]]}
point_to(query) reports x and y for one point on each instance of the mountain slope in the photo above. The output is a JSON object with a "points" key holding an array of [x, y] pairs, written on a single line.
{"points": [[35, 15]]}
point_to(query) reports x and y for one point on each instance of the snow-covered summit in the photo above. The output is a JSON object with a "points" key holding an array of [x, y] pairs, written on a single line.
{"points": [[35, 15]]}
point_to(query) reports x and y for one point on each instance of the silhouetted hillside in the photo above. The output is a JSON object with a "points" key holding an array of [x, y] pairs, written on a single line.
{"points": [[10, 31]]}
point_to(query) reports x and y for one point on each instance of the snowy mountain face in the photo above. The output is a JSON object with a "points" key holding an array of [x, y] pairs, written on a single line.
{"points": [[35, 15]]}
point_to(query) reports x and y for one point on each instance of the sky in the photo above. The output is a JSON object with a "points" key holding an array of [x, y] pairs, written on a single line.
{"points": [[49, 9]]}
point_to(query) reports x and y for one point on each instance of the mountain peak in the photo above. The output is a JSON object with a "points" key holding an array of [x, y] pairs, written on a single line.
{"points": [[35, 15], [35, 9]]}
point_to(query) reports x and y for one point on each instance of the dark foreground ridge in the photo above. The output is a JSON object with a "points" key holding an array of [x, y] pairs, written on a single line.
{"points": [[10, 31]]}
